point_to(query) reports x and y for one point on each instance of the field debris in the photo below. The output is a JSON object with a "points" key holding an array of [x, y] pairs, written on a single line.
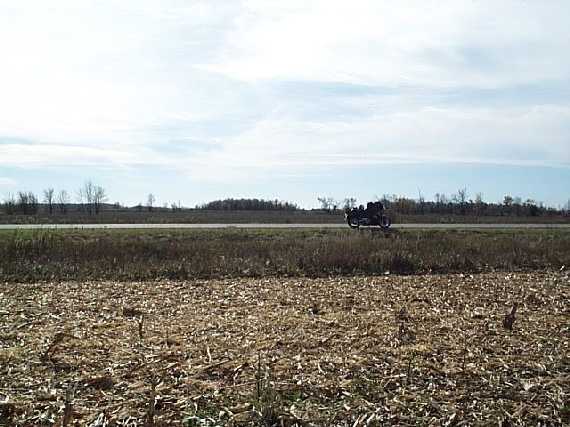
{"points": [[339, 351], [509, 319]]}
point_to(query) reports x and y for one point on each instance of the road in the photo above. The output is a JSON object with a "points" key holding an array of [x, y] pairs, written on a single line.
{"points": [[277, 226]]}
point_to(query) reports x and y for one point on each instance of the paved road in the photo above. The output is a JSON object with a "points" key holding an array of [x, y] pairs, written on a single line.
{"points": [[212, 226]]}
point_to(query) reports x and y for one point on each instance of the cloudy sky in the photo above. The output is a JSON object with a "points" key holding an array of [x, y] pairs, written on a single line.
{"points": [[198, 100]]}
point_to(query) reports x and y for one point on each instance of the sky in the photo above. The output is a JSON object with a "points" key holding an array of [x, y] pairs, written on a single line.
{"points": [[200, 100]]}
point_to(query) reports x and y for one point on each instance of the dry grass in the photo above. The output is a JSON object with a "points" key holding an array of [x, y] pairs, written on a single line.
{"points": [[183, 216], [277, 217], [345, 351], [127, 255]]}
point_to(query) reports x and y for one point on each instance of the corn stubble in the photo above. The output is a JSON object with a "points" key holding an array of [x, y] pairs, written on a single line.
{"points": [[345, 351]]}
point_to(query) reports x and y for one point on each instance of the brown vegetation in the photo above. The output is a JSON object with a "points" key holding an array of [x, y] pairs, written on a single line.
{"points": [[197, 216], [387, 350], [185, 254], [177, 216]]}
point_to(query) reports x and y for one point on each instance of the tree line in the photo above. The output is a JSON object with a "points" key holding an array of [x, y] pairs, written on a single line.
{"points": [[90, 199], [458, 203]]}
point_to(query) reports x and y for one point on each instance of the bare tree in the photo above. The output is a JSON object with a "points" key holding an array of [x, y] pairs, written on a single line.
{"points": [[85, 196], [460, 199], [49, 199], [22, 202], [508, 204], [327, 203], [92, 196], [79, 200], [421, 200], [441, 199], [386, 200], [349, 203], [478, 203], [99, 197], [62, 201], [150, 201], [462, 195], [10, 204], [27, 203]]}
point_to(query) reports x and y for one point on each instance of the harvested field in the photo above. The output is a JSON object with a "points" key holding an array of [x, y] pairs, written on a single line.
{"points": [[339, 351]]}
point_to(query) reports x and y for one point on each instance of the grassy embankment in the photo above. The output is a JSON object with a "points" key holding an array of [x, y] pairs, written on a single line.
{"points": [[186, 216], [263, 217], [183, 254]]}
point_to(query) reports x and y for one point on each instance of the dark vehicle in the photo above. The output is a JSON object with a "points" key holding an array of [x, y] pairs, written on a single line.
{"points": [[372, 216]]}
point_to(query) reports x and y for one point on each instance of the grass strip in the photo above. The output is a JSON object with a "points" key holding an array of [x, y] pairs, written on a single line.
{"points": [[33, 255]]}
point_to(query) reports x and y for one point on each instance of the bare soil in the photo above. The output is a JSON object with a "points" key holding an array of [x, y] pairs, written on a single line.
{"points": [[345, 351]]}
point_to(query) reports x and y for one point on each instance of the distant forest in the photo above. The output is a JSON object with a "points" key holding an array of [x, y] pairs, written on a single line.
{"points": [[248, 205], [91, 199]]}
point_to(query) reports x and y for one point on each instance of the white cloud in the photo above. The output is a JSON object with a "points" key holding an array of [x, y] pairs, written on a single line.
{"points": [[109, 85], [516, 136], [425, 42], [91, 71]]}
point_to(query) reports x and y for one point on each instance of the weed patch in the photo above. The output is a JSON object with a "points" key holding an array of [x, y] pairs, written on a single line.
{"points": [[187, 254]]}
